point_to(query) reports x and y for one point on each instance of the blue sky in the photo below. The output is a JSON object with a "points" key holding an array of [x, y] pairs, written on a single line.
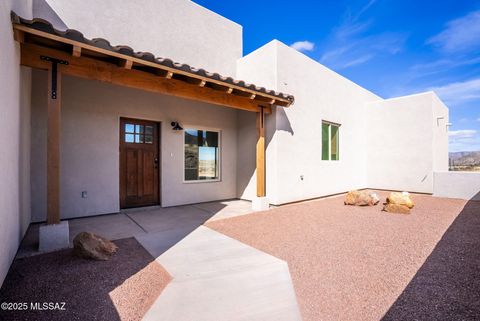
{"points": [[390, 47]]}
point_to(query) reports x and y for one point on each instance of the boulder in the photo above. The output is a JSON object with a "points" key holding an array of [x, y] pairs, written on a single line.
{"points": [[361, 198], [375, 198], [402, 198], [91, 246], [396, 208]]}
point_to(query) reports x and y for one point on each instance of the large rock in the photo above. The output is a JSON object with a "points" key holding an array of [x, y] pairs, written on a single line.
{"points": [[361, 198], [92, 246], [396, 208], [402, 198]]}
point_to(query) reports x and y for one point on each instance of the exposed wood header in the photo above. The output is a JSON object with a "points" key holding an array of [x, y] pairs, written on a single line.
{"points": [[38, 36]]}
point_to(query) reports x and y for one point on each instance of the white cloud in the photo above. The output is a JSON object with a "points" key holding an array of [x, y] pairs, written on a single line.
{"points": [[459, 92], [439, 66], [354, 50], [357, 61], [443, 64], [460, 34], [349, 45], [365, 8], [462, 133], [463, 140], [303, 45]]}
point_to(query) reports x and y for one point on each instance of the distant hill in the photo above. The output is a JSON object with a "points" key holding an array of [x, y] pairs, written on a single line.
{"points": [[465, 159]]}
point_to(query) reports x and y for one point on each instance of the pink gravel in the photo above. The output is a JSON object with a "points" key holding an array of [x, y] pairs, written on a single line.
{"points": [[347, 262], [120, 289]]}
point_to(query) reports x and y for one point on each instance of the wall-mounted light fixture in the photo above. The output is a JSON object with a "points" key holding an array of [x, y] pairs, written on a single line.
{"points": [[176, 125]]}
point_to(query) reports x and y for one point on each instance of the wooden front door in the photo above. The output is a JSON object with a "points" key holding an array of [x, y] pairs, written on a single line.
{"points": [[139, 163]]}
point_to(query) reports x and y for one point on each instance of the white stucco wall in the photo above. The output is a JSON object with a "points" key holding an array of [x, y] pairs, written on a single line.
{"points": [[405, 142], [440, 134], [464, 185], [320, 94], [90, 145], [14, 129], [177, 29]]}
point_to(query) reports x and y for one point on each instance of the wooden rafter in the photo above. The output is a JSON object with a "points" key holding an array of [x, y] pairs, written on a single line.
{"points": [[89, 68], [170, 71], [77, 51], [127, 64], [19, 35]]}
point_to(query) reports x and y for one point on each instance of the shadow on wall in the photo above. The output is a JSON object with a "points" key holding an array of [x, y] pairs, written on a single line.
{"points": [[283, 123], [246, 146], [447, 286], [280, 123]]}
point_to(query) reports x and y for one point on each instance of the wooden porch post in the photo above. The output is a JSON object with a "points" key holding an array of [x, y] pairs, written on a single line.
{"points": [[53, 144], [261, 153]]}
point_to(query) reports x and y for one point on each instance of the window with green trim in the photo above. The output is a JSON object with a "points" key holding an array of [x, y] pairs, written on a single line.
{"points": [[330, 141]]}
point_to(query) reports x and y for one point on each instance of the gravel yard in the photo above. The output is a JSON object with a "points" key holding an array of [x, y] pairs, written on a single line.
{"points": [[359, 263], [122, 288]]}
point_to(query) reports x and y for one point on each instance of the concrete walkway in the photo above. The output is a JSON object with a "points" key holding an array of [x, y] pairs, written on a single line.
{"points": [[218, 278], [214, 276]]}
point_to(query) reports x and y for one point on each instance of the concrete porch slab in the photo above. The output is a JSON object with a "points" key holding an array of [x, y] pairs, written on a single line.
{"points": [[53, 237], [175, 222], [168, 218], [111, 226], [226, 209]]}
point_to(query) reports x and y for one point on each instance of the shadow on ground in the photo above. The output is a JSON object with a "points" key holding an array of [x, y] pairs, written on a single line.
{"points": [[447, 286], [119, 289], [123, 288]]}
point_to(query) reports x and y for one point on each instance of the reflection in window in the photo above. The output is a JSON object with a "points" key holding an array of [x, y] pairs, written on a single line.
{"points": [[201, 155], [129, 128], [138, 134], [129, 138]]}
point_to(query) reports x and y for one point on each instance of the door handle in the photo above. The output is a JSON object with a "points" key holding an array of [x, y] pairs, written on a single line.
{"points": [[155, 162]]}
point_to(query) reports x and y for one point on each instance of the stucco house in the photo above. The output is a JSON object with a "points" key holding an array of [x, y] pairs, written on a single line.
{"points": [[91, 128]]}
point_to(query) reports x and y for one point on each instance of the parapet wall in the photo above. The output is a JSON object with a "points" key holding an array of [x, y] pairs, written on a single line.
{"points": [[463, 185]]}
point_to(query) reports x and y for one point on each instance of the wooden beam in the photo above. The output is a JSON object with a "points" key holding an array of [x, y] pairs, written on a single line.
{"points": [[169, 75], [53, 149], [19, 35], [43, 34], [202, 83], [90, 68], [229, 90], [252, 97], [261, 153], [127, 64], [272, 101], [77, 51]]}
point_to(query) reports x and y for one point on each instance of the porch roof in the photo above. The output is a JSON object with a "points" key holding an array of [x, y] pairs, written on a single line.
{"points": [[39, 37]]}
